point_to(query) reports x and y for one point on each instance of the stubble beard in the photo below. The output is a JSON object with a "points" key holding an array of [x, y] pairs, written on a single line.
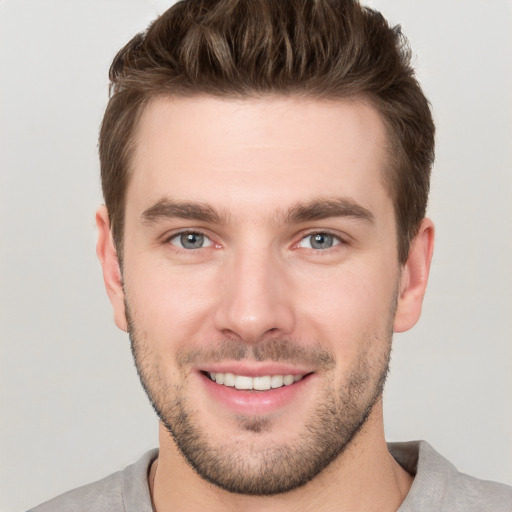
{"points": [[252, 469]]}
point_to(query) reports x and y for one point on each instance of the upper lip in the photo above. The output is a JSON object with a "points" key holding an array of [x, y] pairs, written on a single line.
{"points": [[254, 369]]}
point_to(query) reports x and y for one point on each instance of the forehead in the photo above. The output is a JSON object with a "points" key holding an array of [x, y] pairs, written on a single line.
{"points": [[271, 150]]}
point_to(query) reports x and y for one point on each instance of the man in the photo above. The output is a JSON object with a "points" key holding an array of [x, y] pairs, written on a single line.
{"points": [[265, 167]]}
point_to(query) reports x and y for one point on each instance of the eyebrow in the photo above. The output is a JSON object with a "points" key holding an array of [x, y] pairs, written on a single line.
{"points": [[316, 209], [324, 208], [168, 209]]}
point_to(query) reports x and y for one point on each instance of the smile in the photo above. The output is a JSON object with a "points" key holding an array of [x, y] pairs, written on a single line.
{"points": [[262, 383]]}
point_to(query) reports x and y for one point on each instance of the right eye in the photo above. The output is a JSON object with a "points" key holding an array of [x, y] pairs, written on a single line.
{"points": [[190, 240]]}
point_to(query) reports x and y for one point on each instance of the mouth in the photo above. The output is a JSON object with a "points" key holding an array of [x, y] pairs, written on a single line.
{"points": [[247, 383], [251, 390]]}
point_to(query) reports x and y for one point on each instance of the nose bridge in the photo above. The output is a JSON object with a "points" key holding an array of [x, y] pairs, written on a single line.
{"points": [[254, 300]]}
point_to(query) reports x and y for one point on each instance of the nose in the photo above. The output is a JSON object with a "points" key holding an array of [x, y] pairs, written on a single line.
{"points": [[255, 300]]}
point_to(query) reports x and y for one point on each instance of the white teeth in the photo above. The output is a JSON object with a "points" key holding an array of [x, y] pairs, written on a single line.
{"points": [[262, 383], [287, 380], [276, 381], [242, 382], [229, 380]]}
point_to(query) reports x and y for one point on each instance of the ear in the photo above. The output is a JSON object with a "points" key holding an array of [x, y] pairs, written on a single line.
{"points": [[106, 251], [413, 281]]}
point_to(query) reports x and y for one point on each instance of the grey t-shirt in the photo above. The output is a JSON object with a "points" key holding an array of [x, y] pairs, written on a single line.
{"points": [[437, 487]]}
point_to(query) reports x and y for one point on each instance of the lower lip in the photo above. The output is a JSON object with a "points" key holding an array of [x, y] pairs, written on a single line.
{"points": [[255, 402]]}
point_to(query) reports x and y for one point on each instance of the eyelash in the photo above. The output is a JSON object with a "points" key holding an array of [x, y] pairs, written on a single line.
{"points": [[168, 240], [338, 240]]}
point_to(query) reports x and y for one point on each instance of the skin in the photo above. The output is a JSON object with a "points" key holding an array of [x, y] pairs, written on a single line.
{"points": [[258, 280]]}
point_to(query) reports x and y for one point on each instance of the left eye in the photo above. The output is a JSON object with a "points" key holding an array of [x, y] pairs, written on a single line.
{"points": [[191, 240], [319, 241]]}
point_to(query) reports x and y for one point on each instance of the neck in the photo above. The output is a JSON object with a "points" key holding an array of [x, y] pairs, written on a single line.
{"points": [[365, 477]]}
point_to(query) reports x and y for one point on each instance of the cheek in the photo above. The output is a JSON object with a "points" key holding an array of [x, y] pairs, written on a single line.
{"points": [[346, 305], [169, 303]]}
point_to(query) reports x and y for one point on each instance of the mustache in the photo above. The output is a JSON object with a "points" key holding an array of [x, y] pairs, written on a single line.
{"points": [[281, 349]]}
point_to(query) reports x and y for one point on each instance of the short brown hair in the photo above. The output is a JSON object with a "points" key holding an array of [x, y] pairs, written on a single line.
{"points": [[322, 49]]}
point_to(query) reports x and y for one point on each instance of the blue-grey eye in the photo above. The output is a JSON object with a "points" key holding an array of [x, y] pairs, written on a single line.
{"points": [[191, 240], [319, 241]]}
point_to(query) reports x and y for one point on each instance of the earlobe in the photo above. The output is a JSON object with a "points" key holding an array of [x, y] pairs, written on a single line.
{"points": [[107, 254], [414, 278]]}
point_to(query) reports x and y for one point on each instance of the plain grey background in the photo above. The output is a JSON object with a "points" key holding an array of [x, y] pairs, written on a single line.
{"points": [[72, 407]]}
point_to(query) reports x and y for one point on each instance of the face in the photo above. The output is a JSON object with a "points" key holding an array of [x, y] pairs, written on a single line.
{"points": [[261, 282]]}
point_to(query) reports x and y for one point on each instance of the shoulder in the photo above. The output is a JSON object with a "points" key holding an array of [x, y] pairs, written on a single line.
{"points": [[105, 494], [439, 486], [472, 494], [122, 491]]}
